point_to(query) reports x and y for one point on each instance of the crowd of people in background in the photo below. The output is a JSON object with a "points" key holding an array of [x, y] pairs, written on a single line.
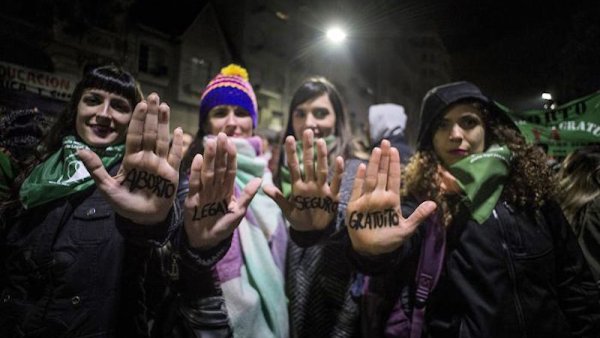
{"points": [[113, 224]]}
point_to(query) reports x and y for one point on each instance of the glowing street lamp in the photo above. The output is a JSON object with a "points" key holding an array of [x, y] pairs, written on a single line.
{"points": [[549, 102], [336, 35]]}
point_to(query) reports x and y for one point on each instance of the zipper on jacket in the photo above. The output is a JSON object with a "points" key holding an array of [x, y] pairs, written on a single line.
{"points": [[513, 275]]}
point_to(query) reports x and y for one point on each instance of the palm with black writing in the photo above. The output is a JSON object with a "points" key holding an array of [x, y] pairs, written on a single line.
{"points": [[212, 211], [312, 204], [373, 216], [146, 184]]}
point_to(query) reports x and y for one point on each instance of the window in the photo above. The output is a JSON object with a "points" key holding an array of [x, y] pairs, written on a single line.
{"points": [[153, 60]]}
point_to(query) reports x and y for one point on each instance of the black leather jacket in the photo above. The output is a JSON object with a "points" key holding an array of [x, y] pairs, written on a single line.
{"points": [[64, 268], [519, 274]]}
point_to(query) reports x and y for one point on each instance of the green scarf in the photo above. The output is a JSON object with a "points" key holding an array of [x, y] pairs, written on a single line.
{"points": [[63, 174], [286, 180], [7, 175], [482, 177]]}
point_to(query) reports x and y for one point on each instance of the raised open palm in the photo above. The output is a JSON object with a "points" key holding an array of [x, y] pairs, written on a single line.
{"points": [[146, 184], [373, 216], [212, 211], [313, 202]]}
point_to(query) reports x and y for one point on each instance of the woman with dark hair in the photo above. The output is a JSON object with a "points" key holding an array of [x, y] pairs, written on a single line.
{"points": [[316, 105], [319, 276], [105, 183], [579, 193], [512, 266]]}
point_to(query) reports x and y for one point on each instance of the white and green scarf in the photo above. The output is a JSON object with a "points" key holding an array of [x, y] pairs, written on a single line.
{"points": [[63, 173], [256, 301]]}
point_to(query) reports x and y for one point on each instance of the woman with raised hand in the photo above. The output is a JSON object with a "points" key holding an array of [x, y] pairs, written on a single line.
{"points": [[509, 265], [107, 183], [237, 233], [313, 198]]}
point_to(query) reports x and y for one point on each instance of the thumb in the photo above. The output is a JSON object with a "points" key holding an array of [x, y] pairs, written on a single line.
{"points": [[249, 192], [277, 196], [420, 214], [94, 166]]}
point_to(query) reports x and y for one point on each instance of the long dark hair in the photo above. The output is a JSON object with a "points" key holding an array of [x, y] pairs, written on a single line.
{"points": [[310, 89], [109, 78]]}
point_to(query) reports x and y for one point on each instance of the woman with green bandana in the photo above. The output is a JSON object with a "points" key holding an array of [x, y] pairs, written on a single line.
{"points": [[313, 198], [510, 264], [106, 186]]}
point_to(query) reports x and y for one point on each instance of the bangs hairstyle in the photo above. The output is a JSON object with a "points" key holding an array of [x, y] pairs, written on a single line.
{"points": [[110, 78]]}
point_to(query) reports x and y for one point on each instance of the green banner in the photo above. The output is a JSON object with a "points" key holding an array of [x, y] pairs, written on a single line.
{"points": [[563, 129]]}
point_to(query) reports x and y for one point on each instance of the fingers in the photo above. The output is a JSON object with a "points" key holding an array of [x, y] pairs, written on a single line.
{"points": [[322, 167], [162, 142], [249, 191], [94, 166], [220, 166], [384, 165], [372, 170], [357, 188], [277, 196], [231, 168], [195, 172], [419, 215], [133, 144], [292, 159], [150, 134], [176, 152], [338, 174], [208, 173], [395, 171], [308, 154]]}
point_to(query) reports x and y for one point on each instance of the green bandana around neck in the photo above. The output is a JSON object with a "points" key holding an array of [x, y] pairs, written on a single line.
{"points": [[63, 173], [482, 177], [286, 180]]}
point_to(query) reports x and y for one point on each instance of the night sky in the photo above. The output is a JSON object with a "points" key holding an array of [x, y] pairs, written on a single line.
{"points": [[516, 50]]}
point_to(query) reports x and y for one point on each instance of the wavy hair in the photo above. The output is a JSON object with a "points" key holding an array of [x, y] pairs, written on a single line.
{"points": [[530, 182], [579, 180]]}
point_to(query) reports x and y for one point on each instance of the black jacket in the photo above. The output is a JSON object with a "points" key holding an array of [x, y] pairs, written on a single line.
{"points": [[519, 274], [71, 268]]}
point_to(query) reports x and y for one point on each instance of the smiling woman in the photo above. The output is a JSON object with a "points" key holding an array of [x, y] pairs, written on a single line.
{"points": [[103, 189], [102, 117]]}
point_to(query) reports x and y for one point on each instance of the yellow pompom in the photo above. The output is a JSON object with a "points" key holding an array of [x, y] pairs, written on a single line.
{"points": [[235, 70]]}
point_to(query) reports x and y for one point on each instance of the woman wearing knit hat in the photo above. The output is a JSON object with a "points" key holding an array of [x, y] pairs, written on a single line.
{"points": [[512, 267], [313, 197], [233, 222]]}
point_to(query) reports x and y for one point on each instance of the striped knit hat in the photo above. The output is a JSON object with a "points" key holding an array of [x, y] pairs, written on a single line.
{"points": [[230, 87]]}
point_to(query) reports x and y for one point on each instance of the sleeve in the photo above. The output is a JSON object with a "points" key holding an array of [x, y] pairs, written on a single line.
{"points": [[305, 239], [577, 292], [589, 238], [155, 235]]}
